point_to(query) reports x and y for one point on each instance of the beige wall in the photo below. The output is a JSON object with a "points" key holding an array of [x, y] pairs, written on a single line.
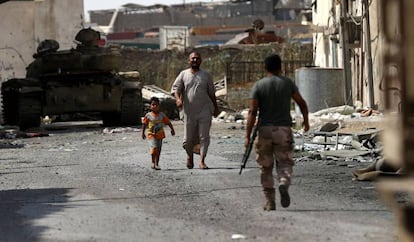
{"points": [[16, 44], [329, 54], [377, 47], [58, 19], [25, 24], [325, 51]]}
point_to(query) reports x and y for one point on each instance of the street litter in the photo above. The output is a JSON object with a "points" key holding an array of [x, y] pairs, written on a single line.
{"points": [[12, 145], [238, 236], [119, 130], [62, 148], [14, 133]]}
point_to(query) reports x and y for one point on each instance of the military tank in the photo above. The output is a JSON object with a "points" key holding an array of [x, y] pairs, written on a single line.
{"points": [[85, 79]]}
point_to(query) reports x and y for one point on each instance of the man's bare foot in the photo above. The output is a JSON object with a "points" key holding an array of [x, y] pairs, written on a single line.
{"points": [[203, 166]]}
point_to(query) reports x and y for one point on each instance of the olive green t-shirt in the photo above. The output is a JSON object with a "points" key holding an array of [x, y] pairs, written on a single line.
{"points": [[274, 95]]}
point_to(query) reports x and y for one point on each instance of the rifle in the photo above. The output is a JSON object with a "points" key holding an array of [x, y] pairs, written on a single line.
{"points": [[249, 148]]}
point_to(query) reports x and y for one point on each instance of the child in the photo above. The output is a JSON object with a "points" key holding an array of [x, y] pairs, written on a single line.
{"points": [[155, 121]]}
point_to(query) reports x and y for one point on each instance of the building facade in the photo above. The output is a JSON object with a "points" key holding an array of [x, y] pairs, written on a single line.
{"points": [[208, 23], [348, 35], [26, 23]]}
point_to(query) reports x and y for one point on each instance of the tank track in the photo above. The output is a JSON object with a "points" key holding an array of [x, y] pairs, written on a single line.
{"points": [[22, 109], [131, 109], [169, 107], [9, 101], [130, 114]]}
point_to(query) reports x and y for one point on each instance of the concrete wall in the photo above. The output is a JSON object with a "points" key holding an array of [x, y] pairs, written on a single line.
{"points": [[328, 53], [17, 42], [58, 19], [378, 46], [323, 21], [26, 23]]}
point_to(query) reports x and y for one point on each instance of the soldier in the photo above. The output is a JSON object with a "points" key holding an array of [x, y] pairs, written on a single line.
{"points": [[271, 96]]}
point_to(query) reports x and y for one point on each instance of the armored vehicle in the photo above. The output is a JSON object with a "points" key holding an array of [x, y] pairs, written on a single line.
{"points": [[85, 79]]}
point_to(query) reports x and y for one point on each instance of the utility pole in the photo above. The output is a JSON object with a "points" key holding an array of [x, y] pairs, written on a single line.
{"points": [[344, 39]]}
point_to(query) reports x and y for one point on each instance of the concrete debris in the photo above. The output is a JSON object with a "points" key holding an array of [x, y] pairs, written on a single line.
{"points": [[14, 133], [230, 117], [349, 134], [119, 130], [344, 153], [62, 148], [378, 168], [10, 145], [344, 110], [329, 127], [238, 236], [336, 133]]}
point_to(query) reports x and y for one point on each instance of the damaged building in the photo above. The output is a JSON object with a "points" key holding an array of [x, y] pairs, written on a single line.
{"points": [[208, 23]]}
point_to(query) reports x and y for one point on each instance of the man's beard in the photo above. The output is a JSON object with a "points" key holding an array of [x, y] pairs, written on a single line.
{"points": [[195, 67]]}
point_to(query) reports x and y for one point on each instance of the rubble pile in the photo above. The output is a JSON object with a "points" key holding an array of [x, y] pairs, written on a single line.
{"points": [[337, 135]]}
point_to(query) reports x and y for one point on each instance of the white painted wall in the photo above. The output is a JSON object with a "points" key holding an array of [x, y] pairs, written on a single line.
{"points": [[328, 53], [25, 24], [323, 21]]}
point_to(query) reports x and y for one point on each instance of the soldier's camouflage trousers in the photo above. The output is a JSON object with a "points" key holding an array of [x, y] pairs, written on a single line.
{"points": [[274, 146]]}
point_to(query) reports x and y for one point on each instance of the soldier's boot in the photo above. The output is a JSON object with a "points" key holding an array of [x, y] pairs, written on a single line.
{"points": [[284, 194], [270, 199]]}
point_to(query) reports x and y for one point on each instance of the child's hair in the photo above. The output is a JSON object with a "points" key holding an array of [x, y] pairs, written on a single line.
{"points": [[155, 99]]}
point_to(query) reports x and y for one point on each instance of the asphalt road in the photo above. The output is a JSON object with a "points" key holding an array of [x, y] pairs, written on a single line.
{"points": [[83, 184]]}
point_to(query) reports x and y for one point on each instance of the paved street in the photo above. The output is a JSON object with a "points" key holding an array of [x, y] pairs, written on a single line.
{"points": [[84, 183]]}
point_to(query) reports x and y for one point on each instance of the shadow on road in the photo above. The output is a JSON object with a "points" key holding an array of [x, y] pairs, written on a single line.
{"points": [[20, 208]]}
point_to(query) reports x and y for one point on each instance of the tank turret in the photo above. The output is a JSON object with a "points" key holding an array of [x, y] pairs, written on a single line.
{"points": [[88, 56], [82, 79]]}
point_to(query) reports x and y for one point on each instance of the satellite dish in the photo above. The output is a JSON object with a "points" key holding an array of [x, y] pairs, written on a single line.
{"points": [[258, 24]]}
